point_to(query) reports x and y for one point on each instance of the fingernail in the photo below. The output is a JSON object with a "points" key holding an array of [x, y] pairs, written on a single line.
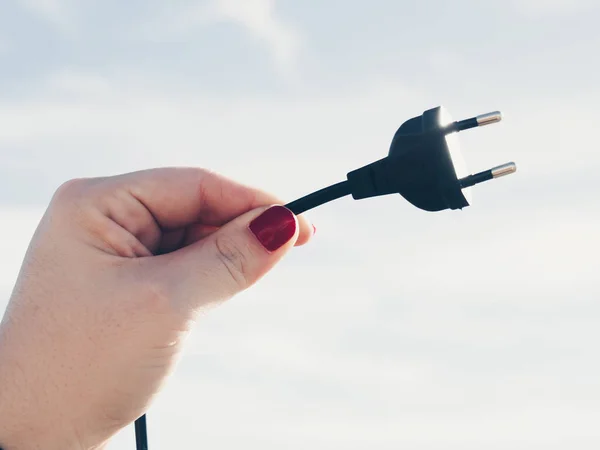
{"points": [[274, 228], [314, 230]]}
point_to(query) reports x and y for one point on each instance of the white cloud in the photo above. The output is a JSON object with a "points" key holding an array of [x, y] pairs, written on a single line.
{"points": [[259, 18], [56, 12], [70, 82], [84, 117]]}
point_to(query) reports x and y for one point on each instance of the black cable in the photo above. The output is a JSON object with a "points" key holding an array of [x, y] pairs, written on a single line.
{"points": [[141, 434], [297, 207], [419, 167], [318, 198]]}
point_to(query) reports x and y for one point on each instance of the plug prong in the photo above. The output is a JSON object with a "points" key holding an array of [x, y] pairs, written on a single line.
{"points": [[489, 118], [496, 172], [504, 169], [474, 122]]}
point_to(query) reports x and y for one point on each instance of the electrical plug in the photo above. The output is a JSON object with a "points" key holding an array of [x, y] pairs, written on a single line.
{"points": [[424, 165]]}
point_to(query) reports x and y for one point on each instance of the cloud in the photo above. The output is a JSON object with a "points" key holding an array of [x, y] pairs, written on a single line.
{"points": [[56, 12], [68, 82], [101, 124], [130, 122], [259, 18]]}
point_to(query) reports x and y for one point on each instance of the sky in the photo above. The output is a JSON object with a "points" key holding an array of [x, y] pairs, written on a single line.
{"points": [[395, 328]]}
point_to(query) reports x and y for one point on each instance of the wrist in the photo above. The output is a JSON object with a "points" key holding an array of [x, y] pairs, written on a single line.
{"points": [[24, 422], [20, 430]]}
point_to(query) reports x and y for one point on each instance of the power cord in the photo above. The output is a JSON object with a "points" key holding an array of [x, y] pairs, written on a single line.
{"points": [[141, 434], [319, 198], [424, 165]]}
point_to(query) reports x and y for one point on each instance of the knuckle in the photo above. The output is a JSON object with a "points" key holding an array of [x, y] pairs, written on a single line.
{"points": [[66, 203], [72, 201], [233, 259], [70, 189]]}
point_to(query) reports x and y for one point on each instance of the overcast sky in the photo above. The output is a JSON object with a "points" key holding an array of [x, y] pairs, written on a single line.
{"points": [[394, 328]]}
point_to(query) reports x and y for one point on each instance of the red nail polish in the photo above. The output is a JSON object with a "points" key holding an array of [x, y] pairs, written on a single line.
{"points": [[274, 228]]}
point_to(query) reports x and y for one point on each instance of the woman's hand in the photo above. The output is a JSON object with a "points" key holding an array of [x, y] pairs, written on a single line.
{"points": [[114, 278]]}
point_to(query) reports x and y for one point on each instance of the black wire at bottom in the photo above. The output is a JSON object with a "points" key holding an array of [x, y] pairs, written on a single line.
{"points": [[141, 434], [299, 206], [318, 198]]}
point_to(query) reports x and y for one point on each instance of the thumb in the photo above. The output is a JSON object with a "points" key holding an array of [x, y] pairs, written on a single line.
{"points": [[231, 259]]}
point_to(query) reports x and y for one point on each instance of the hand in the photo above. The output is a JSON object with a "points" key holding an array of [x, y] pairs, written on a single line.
{"points": [[113, 280]]}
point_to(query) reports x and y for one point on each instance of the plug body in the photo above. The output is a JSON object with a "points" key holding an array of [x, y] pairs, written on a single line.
{"points": [[422, 163]]}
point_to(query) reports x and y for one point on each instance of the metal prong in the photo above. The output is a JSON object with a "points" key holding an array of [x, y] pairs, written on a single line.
{"points": [[496, 172], [489, 118], [474, 122], [504, 169]]}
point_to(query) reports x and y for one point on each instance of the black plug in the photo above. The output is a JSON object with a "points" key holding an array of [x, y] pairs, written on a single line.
{"points": [[424, 165]]}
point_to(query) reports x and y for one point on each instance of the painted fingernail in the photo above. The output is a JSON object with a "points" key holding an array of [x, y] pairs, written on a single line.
{"points": [[274, 228], [314, 230]]}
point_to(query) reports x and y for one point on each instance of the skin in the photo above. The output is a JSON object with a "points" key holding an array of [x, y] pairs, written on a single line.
{"points": [[115, 277]]}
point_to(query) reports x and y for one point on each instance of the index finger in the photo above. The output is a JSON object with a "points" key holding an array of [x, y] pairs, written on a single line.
{"points": [[178, 197]]}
